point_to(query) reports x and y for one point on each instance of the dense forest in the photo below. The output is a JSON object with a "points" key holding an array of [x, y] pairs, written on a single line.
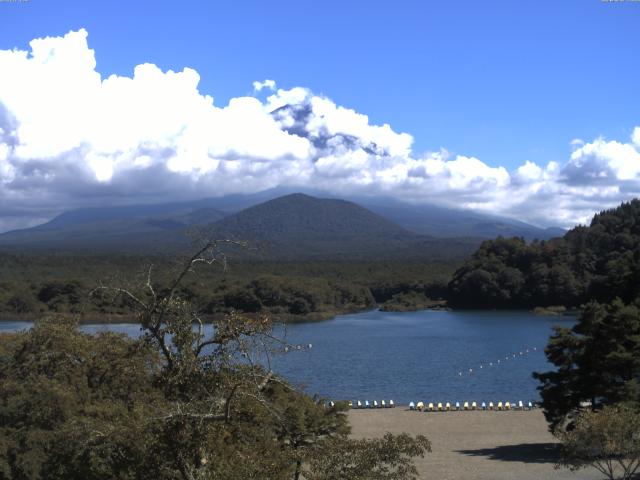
{"points": [[599, 262], [32, 285]]}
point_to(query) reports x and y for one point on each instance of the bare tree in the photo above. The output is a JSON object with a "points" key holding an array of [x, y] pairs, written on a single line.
{"points": [[209, 363]]}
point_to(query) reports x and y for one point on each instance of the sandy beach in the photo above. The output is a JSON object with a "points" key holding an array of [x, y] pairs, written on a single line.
{"points": [[512, 445]]}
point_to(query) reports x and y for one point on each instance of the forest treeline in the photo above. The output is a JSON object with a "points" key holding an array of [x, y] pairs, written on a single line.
{"points": [[597, 262], [32, 285]]}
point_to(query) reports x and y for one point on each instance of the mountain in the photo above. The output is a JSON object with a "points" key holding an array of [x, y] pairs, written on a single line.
{"points": [[299, 226], [445, 222], [300, 217], [96, 215], [129, 229], [293, 225]]}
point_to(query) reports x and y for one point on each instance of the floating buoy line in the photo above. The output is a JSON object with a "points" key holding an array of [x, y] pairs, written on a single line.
{"points": [[500, 361]]}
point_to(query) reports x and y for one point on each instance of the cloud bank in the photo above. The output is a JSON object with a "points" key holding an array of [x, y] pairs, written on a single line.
{"points": [[70, 137]]}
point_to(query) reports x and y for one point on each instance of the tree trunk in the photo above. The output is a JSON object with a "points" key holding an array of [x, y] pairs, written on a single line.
{"points": [[296, 475]]}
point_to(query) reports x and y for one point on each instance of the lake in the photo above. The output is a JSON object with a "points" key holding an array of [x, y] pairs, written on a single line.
{"points": [[411, 356]]}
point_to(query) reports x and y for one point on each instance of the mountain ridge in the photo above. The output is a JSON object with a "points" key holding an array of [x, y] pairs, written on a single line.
{"points": [[294, 225]]}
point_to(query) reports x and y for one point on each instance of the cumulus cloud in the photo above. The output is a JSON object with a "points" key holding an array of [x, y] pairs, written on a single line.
{"points": [[268, 84], [70, 136]]}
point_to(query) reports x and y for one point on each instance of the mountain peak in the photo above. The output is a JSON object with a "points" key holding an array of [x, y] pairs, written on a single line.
{"points": [[298, 216]]}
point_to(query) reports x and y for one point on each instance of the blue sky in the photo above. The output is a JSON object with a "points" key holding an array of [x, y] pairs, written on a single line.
{"points": [[502, 81]]}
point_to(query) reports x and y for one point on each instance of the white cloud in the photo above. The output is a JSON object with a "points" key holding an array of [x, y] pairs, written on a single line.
{"points": [[604, 161], [268, 84], [70, 137]]}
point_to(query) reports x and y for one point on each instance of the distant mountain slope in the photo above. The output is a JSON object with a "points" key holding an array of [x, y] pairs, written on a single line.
{"points": [[298, 216], [444, 222], [429, 220], [95, 215], [291, 227], [299, 226], [124, 228]]}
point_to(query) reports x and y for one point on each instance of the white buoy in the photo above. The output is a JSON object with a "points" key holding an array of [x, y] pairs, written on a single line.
{"points": [[310, 345]]}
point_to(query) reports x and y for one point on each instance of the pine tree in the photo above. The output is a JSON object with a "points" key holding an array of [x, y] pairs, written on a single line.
{"points": [[597, 361]]}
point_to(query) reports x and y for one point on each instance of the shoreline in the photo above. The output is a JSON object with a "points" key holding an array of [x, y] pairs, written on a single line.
{"points": [[285, 319]]}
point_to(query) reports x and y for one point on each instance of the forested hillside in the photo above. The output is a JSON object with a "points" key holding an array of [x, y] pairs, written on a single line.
{"points": [[596, 262]]}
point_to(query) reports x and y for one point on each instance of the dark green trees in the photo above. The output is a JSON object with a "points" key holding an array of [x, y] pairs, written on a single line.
{"points": [[190, 399], [76, 406], [493, 277], [597, 361], [599, 262]]}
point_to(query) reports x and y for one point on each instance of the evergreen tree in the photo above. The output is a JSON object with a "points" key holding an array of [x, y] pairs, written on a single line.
{"points": [[597, 361], [599, 262]]}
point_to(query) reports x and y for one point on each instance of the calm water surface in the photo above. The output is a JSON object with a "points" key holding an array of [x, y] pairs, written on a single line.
{"points": [[411, 356]]}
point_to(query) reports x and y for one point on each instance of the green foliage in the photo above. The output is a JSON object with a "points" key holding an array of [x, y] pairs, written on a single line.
{"points": [[288, 291], [599, 262], [74, 405], [187, 400], [598, 360], [304, 422], [387, 458], [606, 440]]}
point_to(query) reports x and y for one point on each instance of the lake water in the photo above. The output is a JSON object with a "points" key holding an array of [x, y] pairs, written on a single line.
{"points": [[411, 356]]}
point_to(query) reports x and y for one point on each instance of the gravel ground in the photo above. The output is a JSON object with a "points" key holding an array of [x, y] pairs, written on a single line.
{"points": [[512, 445]]}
